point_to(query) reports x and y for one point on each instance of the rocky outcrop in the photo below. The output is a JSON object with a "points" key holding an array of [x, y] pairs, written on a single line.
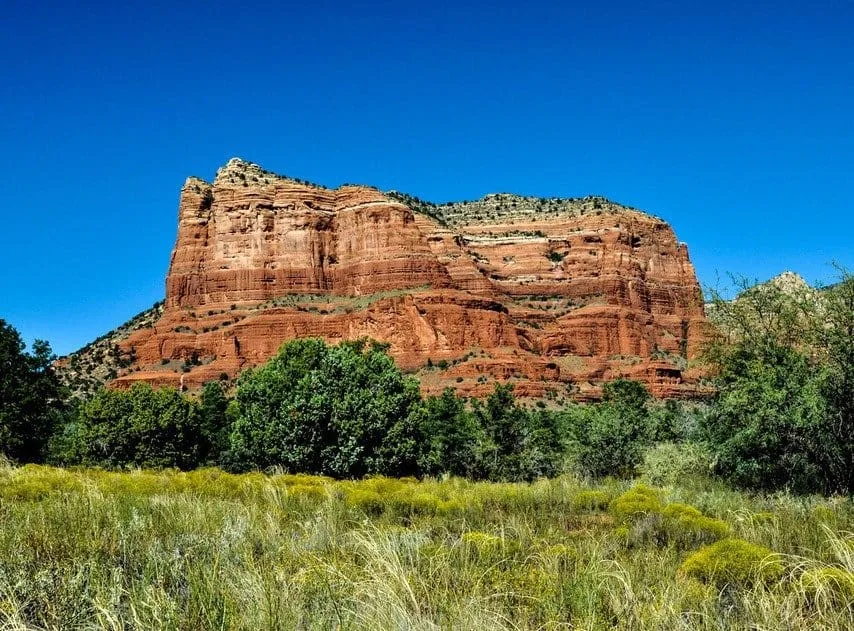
{"points": [[555, 296]]}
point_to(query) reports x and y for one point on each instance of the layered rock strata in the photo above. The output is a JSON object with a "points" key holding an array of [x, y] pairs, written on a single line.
{"points": [[555, 296]]}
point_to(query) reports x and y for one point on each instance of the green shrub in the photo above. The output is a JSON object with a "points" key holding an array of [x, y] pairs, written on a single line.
{"points": [[518, 444], [734, 562], [453, 436], [611, 436], [139, 427], [483, 545], [31, 398], [643, 518], [309, 492]]}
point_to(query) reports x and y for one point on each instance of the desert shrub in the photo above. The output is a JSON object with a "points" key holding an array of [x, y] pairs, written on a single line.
{"points": [[310, 492], [643, 518], [669, 464], [637, 501], [418, 503], [216, 419], [518, 444], [686, 526], [591, 501], [33, 483], [760, 427], [785, 404], [674, 421], [733, 561], [482, 544], [366, 500]]}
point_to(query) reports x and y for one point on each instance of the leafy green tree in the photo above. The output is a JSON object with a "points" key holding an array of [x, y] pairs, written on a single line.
{"points": [[784, 355], [453, 436], [761, 427], [613, 434], [519, 445], [670, 421], [343, 410], [140, 427], [627, 398], [836, 337], [31, 398], [216, 420]]}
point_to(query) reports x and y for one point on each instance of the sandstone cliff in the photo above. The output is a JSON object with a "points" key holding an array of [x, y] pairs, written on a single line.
{"points": [[553, 295]]}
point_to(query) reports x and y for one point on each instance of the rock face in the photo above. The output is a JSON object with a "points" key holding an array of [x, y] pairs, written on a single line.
{"points": [[555, 296]]}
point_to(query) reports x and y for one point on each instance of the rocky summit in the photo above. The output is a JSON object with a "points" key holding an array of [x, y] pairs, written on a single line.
{"points": [[553, 295]]}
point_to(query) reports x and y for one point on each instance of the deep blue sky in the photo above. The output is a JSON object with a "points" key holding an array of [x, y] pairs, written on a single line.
{"points": [[733, 121]]}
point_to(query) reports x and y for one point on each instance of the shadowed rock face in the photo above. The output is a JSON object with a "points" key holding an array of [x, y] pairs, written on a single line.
{"points": [[544, 295]]}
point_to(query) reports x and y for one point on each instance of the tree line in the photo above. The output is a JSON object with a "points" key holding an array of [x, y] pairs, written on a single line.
{"points": [[783, 367]]}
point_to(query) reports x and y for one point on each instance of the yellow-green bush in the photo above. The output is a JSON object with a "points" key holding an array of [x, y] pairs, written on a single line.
{"points": [[557, 554], [482, 544], [366, 500], [450, 507], [590, 501], [308, 492], [642, 517], [832, 586], [733, 561], [686, 525], [302, 479], [33, 483], [413, 503], [637, 501]]}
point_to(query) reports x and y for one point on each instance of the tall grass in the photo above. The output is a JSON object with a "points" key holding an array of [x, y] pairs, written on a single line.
{"points": [[207, 550]]}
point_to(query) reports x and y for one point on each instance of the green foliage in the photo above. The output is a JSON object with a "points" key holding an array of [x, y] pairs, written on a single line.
{"points": [[784, 416], [342, 410], [140, 427], [520, 444], [836, 339], [643, 517], [629, 398], [216, 420], [31, 398], [734, 562], [762, 425], [613, 435], [453, 435], [687, 526], [673, 421], [589, 501], [672, 464]]}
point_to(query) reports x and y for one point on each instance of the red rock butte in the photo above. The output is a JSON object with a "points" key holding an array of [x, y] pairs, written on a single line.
{"points": [[555, 296]]}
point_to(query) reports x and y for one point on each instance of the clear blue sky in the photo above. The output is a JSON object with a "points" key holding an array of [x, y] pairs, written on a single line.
{"points": [[733, 121]]}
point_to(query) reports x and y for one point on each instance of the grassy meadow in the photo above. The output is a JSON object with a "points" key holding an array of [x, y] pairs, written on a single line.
{"points": [[90, 549]]}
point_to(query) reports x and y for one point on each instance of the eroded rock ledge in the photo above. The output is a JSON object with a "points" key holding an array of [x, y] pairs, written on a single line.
{"points": [[553, 295]]}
